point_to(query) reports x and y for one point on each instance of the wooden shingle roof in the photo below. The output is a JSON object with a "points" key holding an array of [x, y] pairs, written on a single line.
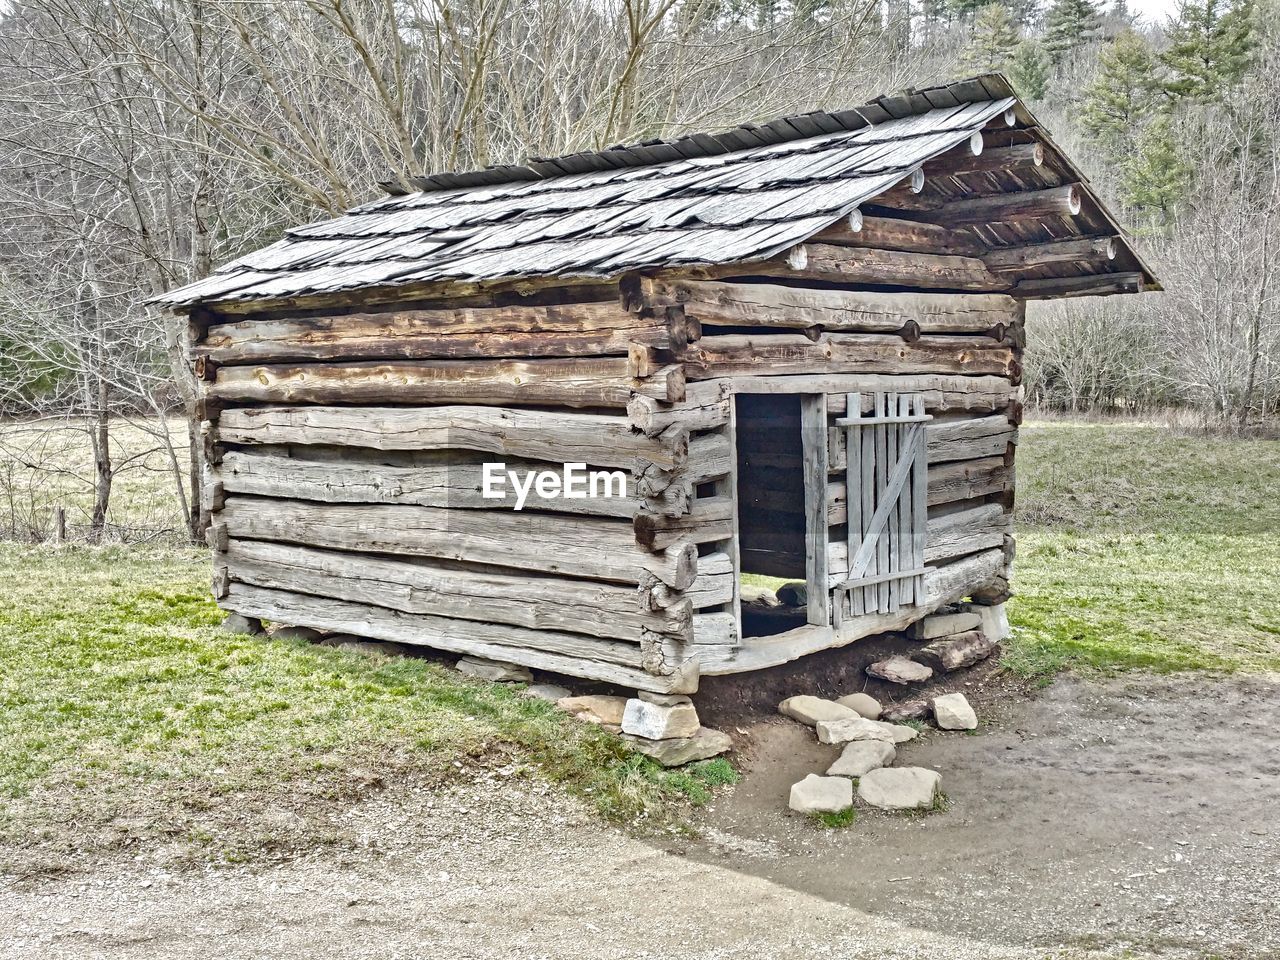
{"points": [[743, 195]]}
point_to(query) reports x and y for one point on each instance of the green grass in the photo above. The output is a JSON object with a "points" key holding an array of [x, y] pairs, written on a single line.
{"points": [[116, 683], [1139, 548], [835, 821]]}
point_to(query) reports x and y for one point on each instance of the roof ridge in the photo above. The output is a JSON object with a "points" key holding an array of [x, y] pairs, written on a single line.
{"points": [[800, 126]]}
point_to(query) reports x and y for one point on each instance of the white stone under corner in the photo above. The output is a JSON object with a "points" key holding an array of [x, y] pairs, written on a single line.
{"points": [[654, 721]]}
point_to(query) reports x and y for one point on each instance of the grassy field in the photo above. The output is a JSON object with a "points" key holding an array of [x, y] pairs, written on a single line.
{"points": [[1142, 548], [123, 708]]}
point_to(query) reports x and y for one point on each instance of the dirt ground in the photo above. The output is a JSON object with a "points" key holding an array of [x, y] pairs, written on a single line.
{"points": [[1138, 815]]}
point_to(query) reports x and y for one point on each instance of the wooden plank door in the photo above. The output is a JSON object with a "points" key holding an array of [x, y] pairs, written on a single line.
{"points": [[886, 492]]}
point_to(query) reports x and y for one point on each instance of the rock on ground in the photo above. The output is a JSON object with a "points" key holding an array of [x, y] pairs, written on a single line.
{"points": [[817, 794], [811, 710], [863, 704], [917, 709], [703, 745], [353, 644], [862, 756], [952, 712], [758, 595], [494, 670], [955, 652], [945, 624], [653, 721], [899, 670], [235, 623], [606, 711], [794, 594], [900, 788], [860, 728]]}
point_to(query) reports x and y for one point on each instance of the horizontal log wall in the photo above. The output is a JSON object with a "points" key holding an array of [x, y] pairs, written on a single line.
{"points": [[347, 483]]}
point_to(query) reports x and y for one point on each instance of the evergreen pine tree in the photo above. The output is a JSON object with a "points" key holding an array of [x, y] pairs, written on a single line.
{"points": [[994, 39], [1070, 25], [965, 10], [1156, 178], [1210, 47], [1029, 71], [1123, 95]]}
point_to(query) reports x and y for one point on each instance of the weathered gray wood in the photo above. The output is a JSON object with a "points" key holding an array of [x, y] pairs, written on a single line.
{"points": [[856, 529], [968, 479], [450, 590], [773, 306], [966, 531], [458, 484], [592, 547], [979, 394], [709, 519], [574, 656], [889, 233], [716, 582], [715, 630], [568, 383], [697, 412], [1094, 251], [1061, 201], [819, 261], [1094, 285], [558, 330], [783, 354], [1021, 157], [970, 438], [813, 434], [565, 436]]}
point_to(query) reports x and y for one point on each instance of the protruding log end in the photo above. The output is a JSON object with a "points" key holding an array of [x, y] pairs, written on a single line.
{"points": [[1073, 199], [1109, 251], [798, 257], [1037, 154], [1011, 117], [975, 144], [855, 220], [916, 181]]}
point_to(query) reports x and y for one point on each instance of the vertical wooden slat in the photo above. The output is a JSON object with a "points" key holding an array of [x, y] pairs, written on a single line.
{"points": [[893, 447], [813, 435], [882, 483], [729, 487], [920, 497], [869, 594], [902, 514], [853, 493]]}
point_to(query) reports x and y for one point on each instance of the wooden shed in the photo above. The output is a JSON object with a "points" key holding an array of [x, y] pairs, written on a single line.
{"points": [[799, 343]]}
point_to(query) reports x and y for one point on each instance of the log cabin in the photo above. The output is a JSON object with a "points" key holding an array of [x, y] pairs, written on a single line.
{"points": [[798, 342]]}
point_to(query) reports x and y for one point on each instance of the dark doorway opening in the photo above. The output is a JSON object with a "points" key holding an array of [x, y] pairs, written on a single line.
{"points": [[771, 510]]}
